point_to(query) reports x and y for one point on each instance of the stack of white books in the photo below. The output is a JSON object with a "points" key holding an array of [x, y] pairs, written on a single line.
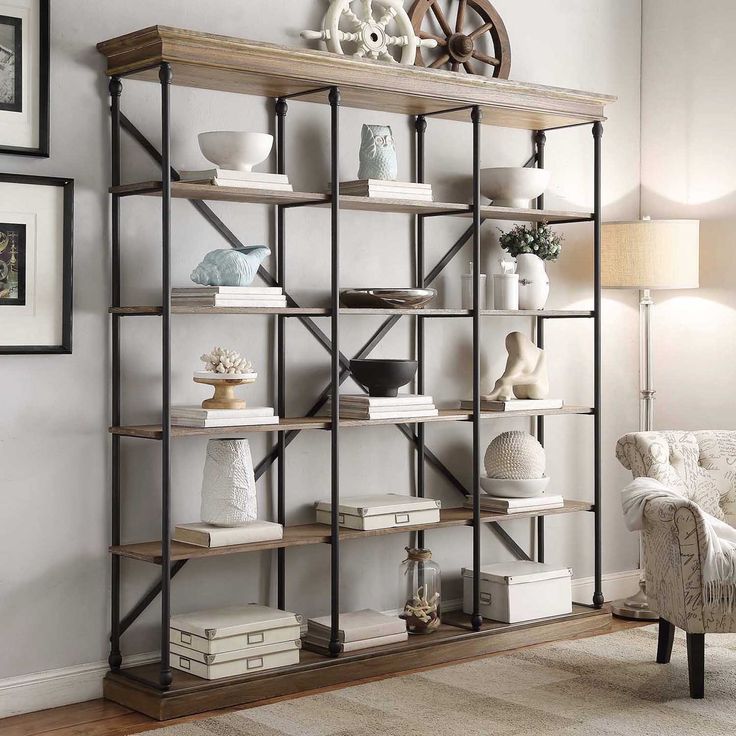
{"points": [[232, 641], [228, 296], [358, 630], [360, 406], [196, 416], [385, 189], [517, 505], [514, 404], [207, 535], [242, 179]]}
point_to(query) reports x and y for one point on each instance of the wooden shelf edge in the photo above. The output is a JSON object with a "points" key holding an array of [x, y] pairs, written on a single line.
{"points": [[153, 431], [306, 534], [190, 190], [143, 310]]}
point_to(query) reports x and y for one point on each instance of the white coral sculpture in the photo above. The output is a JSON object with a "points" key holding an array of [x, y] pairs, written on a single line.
{"points": [[226, 362]]}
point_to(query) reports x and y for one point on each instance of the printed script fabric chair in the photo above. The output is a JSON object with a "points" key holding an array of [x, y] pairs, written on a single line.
{"points": [[702, 466]]}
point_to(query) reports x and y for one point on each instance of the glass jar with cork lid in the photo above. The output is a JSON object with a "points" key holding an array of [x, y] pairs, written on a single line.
{"points": [[419, 591]]}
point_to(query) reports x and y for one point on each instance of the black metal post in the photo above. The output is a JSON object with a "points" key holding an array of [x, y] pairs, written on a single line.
{"points": [[115, 659], [540, 139], [477, 619], [420, 126], [165, 76], [281, 110], [597, 329], [334, 98]]}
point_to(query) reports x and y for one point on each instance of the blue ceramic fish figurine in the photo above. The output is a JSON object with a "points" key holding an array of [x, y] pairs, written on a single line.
{"points": [[377, 153], [230, 266]]}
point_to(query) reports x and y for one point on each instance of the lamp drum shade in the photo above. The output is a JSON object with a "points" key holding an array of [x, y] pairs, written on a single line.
{"points": [[650, 254]]}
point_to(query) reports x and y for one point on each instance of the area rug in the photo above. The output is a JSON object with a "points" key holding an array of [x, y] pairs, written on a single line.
{"points": [[607, 685]]}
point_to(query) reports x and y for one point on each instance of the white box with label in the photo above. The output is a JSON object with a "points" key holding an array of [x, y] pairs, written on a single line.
{"points": [[386, 511], [520, 591]]}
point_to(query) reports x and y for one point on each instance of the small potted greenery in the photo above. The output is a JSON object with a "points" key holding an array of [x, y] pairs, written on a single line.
{"points": [[531, 245]]}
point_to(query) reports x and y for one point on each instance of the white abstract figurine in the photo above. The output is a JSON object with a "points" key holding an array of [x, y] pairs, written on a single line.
{"points": [[369, 35], [377, 153], [525, 376]]}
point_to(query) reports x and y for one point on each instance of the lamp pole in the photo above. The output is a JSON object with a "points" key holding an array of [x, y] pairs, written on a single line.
{"points": [[637, 606]]}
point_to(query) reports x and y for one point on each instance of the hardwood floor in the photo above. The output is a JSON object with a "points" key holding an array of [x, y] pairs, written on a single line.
{"points": [[103, 718]]}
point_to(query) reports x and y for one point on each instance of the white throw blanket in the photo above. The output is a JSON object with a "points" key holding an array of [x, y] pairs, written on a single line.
{"points": [[718, 569]]}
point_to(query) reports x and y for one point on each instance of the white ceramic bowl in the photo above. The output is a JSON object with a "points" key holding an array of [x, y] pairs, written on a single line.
{"points": [[513, 186], [235, 149], [504, 488]]}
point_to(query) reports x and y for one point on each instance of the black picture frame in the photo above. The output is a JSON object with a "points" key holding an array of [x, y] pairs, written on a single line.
{"points": [[44, 88], [65, 347], [17, 25]]}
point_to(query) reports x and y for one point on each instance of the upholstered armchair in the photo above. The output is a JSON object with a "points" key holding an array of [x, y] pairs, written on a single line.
{"points": [[702, 466]]}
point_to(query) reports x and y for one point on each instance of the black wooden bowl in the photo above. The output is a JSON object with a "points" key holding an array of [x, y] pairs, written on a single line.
{"points": [[383, 377]]}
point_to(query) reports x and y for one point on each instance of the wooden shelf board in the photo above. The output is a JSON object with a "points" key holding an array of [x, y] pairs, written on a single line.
{"points": [[189, 190], [229, 64], [153, 431], [303, 534], [136, 687], [353, 311]]}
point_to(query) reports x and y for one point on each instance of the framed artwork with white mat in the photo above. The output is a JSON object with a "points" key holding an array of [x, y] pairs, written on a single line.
{"points": [[36, 238], [25, 41]]}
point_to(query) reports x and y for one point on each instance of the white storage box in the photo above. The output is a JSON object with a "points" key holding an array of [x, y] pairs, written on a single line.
{"points": [[520, 591], [229, 629], [254, 662], [380, 512]]}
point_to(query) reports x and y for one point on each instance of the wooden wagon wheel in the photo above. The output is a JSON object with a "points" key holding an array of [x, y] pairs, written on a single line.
{"points": [[458, 47]]}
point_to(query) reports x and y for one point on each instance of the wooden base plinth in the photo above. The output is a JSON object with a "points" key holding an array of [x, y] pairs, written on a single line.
{"points": [[136, 687]]}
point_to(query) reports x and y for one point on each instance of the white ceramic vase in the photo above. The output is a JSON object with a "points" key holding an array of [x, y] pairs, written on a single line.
{"points": [[228, 484], [533, 281]]}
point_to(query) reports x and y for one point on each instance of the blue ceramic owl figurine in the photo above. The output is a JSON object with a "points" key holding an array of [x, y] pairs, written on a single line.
{"points": [[377, 153]]}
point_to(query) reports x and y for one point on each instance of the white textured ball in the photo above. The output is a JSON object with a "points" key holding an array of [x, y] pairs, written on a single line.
{"points": [[515, 455]]}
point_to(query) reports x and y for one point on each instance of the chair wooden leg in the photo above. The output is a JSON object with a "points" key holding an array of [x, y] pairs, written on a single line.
{"points": [[696, 664], [664, 641]]}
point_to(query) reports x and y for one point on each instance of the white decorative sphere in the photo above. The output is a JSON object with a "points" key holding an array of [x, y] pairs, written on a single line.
{"points": [[515, 455]]}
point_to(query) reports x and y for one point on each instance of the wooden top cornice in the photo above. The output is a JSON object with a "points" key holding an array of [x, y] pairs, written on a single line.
{"points": [[230, 64]]}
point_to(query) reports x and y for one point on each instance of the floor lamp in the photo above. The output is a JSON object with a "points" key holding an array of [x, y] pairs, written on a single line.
{"points": [[647, 255]]}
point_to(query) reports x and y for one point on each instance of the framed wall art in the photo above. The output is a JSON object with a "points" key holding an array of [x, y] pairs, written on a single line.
{"points": [[36, 234], [25, 31]]}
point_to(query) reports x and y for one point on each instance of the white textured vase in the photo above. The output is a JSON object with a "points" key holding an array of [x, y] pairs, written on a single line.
{"points": [[533, 281], [228, 484]]}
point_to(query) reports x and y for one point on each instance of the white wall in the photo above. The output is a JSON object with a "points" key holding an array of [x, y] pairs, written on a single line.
{"points": [[689, 171], [54, 508]]}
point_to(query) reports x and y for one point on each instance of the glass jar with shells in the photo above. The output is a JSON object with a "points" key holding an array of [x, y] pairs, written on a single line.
{"points": [[420, 591]]}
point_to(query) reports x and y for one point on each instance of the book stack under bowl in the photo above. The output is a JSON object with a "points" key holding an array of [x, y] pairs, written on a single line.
{"points": [[228, 296], [224, 642], [196, 416], [358, 630], [361, 406], [385, 511], [516, 505], [241, 179], [385, 189]]}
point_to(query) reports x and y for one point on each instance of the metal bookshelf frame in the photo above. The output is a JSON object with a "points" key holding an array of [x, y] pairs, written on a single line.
{"points": [[339, 363]]}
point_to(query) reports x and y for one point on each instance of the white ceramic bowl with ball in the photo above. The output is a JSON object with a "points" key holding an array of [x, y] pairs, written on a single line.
{"points": [[512, 488], [513, 186], [235, 150]]}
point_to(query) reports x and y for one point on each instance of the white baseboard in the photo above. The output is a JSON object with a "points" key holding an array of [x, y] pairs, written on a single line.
{"points": [[615, 585], [55, 688]]}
